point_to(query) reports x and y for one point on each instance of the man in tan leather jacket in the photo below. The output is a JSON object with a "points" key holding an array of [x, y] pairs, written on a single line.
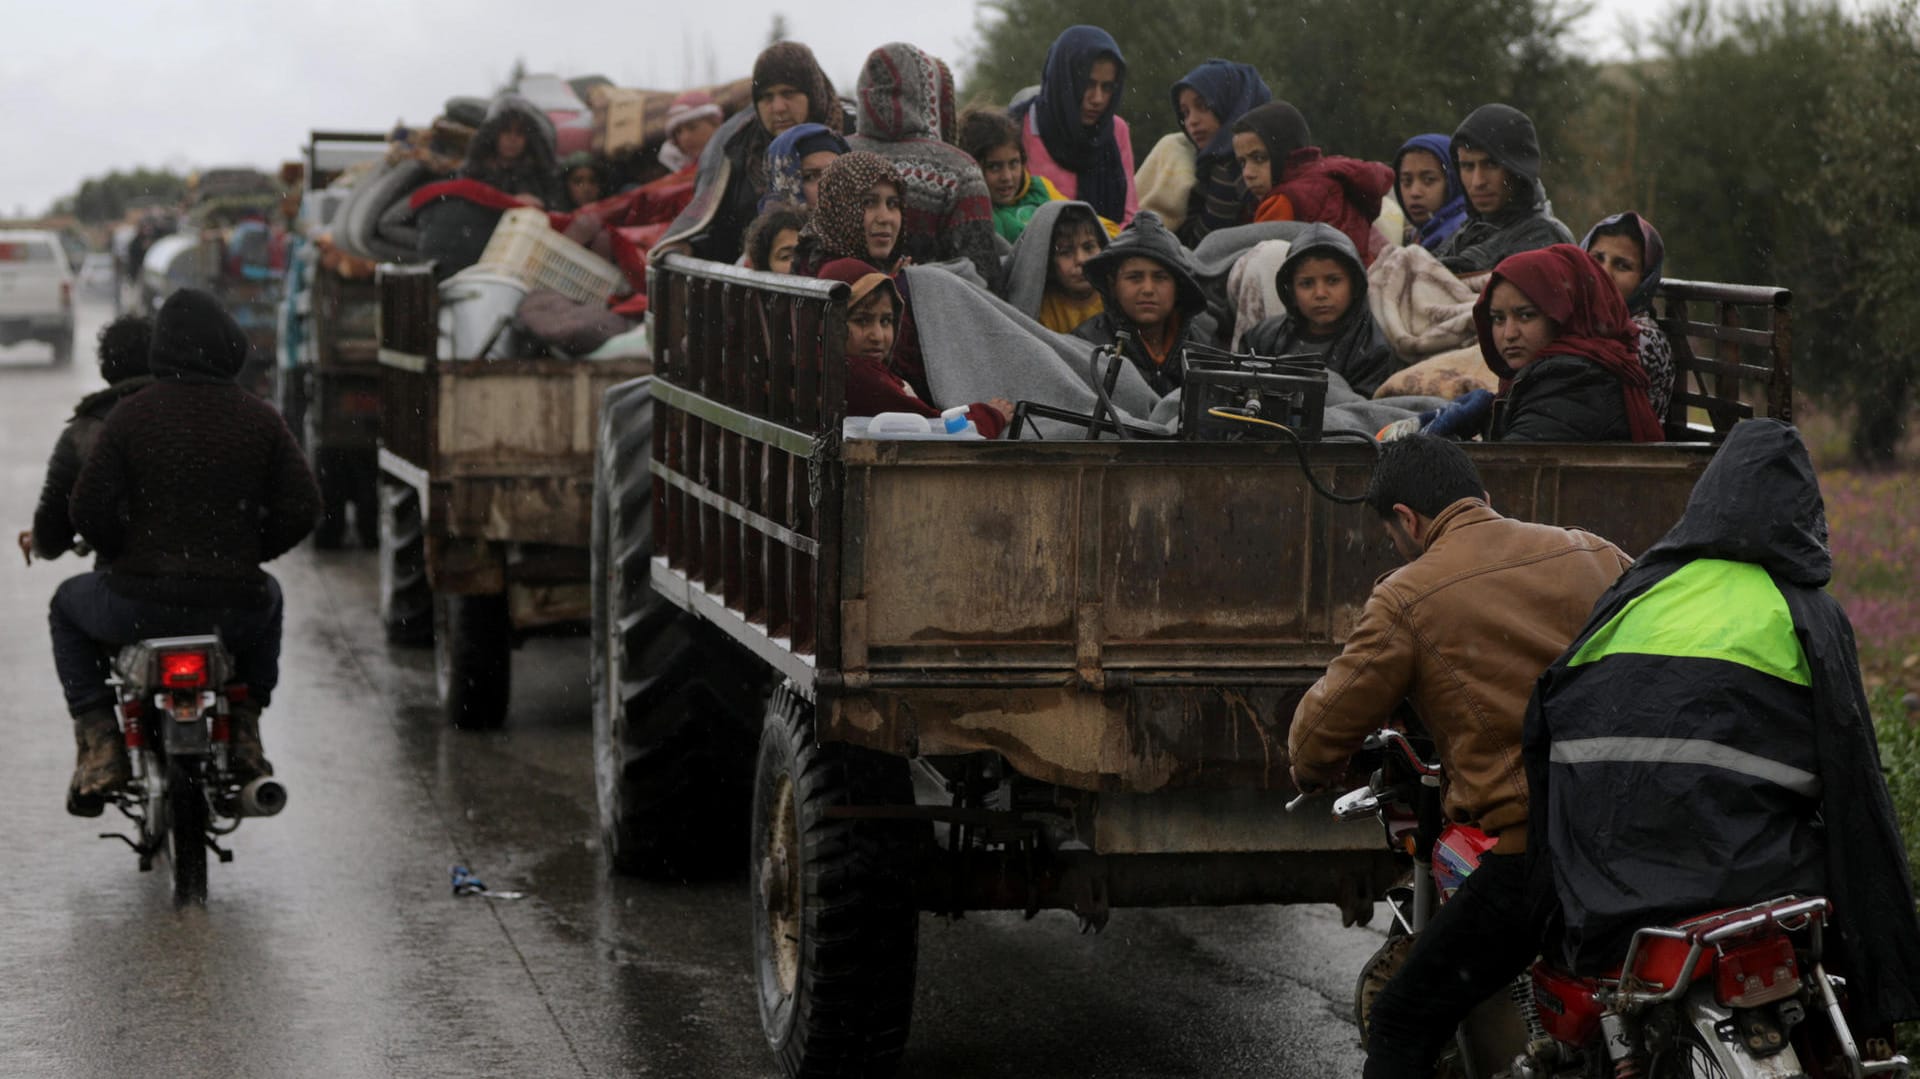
{"points": [[1462, 631]]}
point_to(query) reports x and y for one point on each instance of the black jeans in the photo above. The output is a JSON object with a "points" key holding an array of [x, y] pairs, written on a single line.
{"points": [[90, 621], [1478, 942]]}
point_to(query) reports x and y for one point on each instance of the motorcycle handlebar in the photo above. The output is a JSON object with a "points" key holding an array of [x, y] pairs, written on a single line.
{"points": [[1389, 739]]}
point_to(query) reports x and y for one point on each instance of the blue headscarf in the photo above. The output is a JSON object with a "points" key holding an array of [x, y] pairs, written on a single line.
{"points": [[1653, 256], [1230, 90], [1090, 153], [783, 162], [1452, 213]]}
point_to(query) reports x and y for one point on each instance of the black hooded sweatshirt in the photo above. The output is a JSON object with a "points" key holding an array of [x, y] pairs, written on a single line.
{"points": [[1526, 222], [195, 481], [1358, 350], [1705, 742], [1147, 237]]}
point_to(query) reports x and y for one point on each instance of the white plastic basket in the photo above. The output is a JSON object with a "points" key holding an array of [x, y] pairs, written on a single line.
{"points": [[525, 247]]}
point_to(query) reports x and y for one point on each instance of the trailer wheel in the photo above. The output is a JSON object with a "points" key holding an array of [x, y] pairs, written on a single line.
{"points": [[473, 659], [676, 704], [836, 927], [333, 499], [406, 601]]}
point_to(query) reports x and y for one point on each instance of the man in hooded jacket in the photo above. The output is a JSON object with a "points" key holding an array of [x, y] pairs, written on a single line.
{"points": [[946, 212], [732, 173], [193, 484], [1524, 220], [1356, 350], [1705, 742]]}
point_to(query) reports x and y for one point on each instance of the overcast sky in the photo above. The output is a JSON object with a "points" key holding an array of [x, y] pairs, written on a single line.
{"points": [[108, 84]]}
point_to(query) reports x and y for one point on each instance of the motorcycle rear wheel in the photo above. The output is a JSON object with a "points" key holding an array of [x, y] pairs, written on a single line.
{"points": [[187, 835]]}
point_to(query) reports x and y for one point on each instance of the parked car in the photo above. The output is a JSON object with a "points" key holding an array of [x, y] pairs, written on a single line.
{"points": [[36, 292]]}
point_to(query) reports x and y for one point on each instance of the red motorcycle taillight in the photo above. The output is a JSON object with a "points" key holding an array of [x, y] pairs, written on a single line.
{"points": [[183, 670], [1756, 973]]}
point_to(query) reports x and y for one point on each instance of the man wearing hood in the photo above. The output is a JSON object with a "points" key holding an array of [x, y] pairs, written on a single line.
{"points": [[1152, 294], [193, 484], [789, 88], [1497, 157], [1324, 289], [946, 212], [1705, 742], [124, 343]]}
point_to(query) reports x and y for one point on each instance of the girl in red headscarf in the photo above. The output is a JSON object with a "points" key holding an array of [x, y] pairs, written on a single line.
{"points": [[1552, 325]]}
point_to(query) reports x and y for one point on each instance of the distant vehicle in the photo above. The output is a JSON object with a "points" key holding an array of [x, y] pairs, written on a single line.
{"points": [[36, 292], [97, 277]]}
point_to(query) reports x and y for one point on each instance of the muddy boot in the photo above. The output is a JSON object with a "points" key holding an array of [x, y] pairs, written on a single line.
{"points": [[102, 764], [247, 760]]}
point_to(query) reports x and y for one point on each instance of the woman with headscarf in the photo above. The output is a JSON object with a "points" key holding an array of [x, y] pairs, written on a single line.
{"points": [[857, 216], [795, 163], [1427, 186], [905, 102], [1291, 179], [1208, 102], [1553, 327], [1070, 129], [1629, 249], [789, 88]]}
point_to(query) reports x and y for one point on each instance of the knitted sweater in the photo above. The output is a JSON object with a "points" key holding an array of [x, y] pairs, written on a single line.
{"points": [[946, 212]]}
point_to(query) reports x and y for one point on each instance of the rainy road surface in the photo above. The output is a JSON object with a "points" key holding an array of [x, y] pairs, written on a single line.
{"points": [[332, 947]]}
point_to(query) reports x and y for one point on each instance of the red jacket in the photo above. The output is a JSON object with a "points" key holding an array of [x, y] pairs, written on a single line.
{"points": [[1339, 191]]}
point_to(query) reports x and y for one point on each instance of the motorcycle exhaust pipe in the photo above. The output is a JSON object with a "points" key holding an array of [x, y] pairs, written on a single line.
{"points": [[263, 797]]}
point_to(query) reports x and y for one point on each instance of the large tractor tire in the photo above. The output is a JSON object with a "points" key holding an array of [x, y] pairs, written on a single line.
{"points": [[406, 600], [473, 659], [676, 703], [836, 928]]}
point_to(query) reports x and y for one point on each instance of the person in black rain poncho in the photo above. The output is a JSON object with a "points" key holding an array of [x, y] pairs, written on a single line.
{"points": [[1705, 742], [1497, 155]]}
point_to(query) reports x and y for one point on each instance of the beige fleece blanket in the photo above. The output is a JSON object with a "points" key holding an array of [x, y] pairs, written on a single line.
{"points": [[1421, 306], [1447, 375]]}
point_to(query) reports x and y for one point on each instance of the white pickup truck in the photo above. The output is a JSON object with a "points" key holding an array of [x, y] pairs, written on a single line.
{"points": [[36, 292]]}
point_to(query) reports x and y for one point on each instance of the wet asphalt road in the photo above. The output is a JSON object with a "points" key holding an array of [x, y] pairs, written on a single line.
{"points": [[332, 947]]}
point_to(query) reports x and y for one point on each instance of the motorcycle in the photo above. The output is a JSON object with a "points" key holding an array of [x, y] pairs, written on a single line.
{"points": [[1735, 993], [173, 701]]}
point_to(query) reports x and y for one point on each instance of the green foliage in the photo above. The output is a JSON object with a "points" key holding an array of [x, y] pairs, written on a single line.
{"points": [[1899, 734], [1865, 201], [1774, 143], [106, 199], [1367, 74]]}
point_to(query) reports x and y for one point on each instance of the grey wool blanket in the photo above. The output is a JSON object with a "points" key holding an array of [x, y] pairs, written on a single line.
{"points": [[978, 347]]}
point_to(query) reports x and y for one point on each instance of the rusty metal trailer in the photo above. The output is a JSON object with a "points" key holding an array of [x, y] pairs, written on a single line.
{"points": [[997, 675], [487, 469]]}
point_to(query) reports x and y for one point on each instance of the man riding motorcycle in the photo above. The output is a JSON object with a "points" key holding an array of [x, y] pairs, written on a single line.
{"points": [[1706, 744], [1461, 632], [193, 483]]}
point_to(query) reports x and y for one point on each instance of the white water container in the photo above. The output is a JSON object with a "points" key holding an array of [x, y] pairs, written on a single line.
{"points": [[473, 305]]}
